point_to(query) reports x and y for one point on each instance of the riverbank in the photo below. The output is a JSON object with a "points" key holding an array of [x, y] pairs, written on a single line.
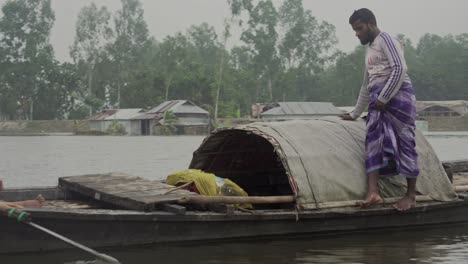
{"points": [[436, 126], [42, 127], [15, 134]]}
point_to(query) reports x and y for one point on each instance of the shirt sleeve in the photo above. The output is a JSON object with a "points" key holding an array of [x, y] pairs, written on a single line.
{"points": [[363, 98], [394, 53]]}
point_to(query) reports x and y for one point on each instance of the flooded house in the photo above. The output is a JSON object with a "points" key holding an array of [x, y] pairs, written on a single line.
{"points": [[174, 117], [421, 123], [444, 115], [442, 108], [298, 110], [103, 120]]}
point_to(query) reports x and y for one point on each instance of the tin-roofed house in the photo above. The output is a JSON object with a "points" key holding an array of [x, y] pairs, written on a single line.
{"points": [[444, 115], [103, 120], [185, 118], [442, 108], [299, 110]]}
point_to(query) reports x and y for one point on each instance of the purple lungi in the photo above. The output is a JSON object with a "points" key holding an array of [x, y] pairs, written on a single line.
{"points": [[390, 138]]}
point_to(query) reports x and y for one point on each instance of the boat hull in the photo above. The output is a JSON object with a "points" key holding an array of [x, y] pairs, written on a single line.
{"points": [[115, 228]]}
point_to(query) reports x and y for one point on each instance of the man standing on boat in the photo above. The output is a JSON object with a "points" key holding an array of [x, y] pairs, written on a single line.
{"points": [[389, 95]]}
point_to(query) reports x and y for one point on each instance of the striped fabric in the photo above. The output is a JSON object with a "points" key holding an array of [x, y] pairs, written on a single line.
{"points": [[398, 67], [390, 142], [385, 63]]}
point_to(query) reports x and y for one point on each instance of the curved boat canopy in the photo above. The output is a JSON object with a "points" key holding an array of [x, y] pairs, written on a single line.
{"points": [[319, 160]]}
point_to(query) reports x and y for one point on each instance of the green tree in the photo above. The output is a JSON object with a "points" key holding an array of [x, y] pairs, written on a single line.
{"points": [[261, 38], [129, 48], [440, 72], [286, 64], [219, 76], [437, 68], [116, 129], [306, 48], [168, 128], [26, 55], [92, 36], [208, 57], [340, 83], [172, 55]]}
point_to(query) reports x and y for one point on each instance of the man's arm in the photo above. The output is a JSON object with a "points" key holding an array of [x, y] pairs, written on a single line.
{"points": [[394, 52], [363, 98]]}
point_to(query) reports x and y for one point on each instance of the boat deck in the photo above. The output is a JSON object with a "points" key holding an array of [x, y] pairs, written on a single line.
{"points": [[118, 193], [123, 191], [100, 223], [460, 179]]}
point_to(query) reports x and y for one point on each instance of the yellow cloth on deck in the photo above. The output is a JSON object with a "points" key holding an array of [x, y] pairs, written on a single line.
{"points": [[207, 183]]}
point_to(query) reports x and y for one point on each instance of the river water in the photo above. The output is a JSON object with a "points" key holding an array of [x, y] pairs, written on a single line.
{"points": [[39, 161]]}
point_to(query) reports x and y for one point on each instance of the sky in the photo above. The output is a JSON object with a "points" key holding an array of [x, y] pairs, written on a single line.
{"points": [[412, 18]]}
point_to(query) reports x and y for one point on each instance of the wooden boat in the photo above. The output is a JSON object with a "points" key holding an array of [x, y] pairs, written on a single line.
{"points": [[112, 210]]}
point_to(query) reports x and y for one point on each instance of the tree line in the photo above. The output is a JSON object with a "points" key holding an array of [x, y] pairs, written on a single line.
{"points": [[285, 54]]}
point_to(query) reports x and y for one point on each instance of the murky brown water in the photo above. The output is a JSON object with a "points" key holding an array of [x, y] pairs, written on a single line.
{"points": [[39, 161]]}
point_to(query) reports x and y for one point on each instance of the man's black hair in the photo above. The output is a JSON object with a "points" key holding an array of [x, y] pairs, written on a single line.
{"points": [[364, 15]]}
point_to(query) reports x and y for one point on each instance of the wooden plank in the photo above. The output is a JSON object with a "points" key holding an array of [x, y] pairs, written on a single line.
{"points": [[456, 165], [460, 180], [68, 204], [98, 177], [125, 191], [16, 194], [108, 198], [119, 187], [174, 208]]}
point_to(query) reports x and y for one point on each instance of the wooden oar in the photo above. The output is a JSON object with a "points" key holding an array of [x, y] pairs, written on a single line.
{"points": [[101, 256]]}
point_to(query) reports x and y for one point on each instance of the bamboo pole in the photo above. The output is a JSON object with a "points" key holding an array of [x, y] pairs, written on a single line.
{"points": [[290, 199], [279, 199], [237, 199], [325, 205], [461, 188]]}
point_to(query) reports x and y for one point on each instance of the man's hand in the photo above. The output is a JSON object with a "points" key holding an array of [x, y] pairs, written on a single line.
{"points": [[378, 105], [346, 116], [12, 210]]}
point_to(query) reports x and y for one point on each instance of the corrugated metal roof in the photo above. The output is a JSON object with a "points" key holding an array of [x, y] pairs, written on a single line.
{"points": [[164, 106], [156, 116], [116, 114], [303, 108], [178, 107], [189, 109], [125, 114], [102, 115]]}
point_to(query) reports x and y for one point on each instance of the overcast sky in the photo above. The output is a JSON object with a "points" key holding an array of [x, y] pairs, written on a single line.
{"points": [[164, 17]]}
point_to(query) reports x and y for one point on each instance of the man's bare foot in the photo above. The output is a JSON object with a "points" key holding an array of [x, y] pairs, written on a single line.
{"points": [[372, 199], [37, 202], [405, 203]]}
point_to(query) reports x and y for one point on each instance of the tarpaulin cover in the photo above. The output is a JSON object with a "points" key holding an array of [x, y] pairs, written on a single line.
{"points": [[324, 159]]}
